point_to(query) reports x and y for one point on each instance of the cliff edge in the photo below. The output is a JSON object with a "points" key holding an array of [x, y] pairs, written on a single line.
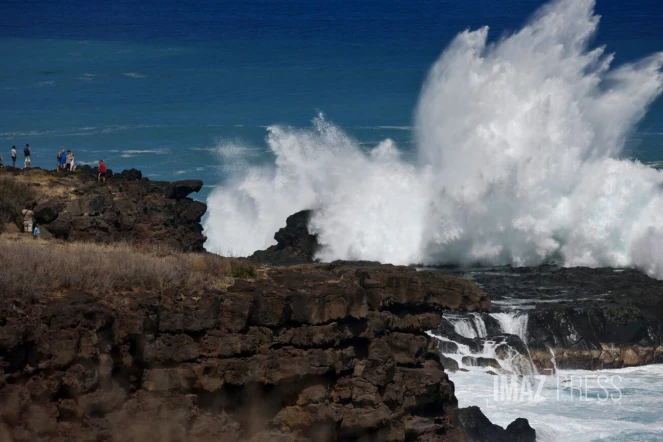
{"points": [[314, 352], [129, 208]]}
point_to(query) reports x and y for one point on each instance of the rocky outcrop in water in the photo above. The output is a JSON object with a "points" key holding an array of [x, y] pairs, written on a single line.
{"points": [[294, 243], [479, 429], [589, 318], [128, 208], [316, 352]]}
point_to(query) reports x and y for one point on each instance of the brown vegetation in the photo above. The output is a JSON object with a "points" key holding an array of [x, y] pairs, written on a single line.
{"points": [[45, 184], [14, 195], [36, 267]]}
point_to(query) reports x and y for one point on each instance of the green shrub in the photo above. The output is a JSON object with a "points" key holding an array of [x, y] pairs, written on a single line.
{"points": [[240, 268]]}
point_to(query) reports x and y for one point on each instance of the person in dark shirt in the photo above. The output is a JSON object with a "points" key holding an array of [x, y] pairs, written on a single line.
{"points": [[27, 153]]}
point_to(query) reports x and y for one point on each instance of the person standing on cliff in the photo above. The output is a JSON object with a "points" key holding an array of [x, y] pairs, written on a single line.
{"points": [[102, 172], [13, 156], [27, 153], [27, 219], [63, 160], [70, 161]]}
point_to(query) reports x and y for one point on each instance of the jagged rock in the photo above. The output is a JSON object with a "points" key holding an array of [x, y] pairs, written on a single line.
{"points": [[520, 431], [61, 227], [126, 209], [448, 363], [481, 362], [315, 352], [479, 429], [631, 358], [130, 175], [96, 203], [295, 245], [600, 318], [86, 172], [47, 211], [181, 189], [74, 207]]}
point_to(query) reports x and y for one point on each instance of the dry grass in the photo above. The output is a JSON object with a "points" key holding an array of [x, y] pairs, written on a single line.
{"points": [[36, 267], [46, 186], [14, 196]]}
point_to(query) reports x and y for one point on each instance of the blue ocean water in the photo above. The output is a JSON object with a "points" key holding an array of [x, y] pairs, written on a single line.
{"points": [[187, 90], [162, 85]]}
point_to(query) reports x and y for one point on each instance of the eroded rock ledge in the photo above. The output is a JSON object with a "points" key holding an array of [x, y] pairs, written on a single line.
{"points": [[129, 208], [314, 352], [589, 318]]}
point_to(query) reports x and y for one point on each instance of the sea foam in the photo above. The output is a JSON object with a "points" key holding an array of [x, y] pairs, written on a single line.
{"points": [[518, 162]]}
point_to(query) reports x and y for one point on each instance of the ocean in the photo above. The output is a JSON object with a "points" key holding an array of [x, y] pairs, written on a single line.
{"points": [[180, 90], [418, 135]]}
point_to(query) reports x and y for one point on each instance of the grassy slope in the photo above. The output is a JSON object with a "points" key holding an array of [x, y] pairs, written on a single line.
{"points": [[36, 266]]}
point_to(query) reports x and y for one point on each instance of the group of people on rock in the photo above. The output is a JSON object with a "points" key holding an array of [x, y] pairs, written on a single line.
{"points": [[29, 225], [65, 161]]}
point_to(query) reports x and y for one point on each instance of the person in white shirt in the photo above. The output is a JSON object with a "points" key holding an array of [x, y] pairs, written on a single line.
{"points": [[70, 161], [27, 219]]}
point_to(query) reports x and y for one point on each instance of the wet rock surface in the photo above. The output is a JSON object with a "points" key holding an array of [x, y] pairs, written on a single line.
{"points": [[590, 318], [479, 429], [315, 352]]}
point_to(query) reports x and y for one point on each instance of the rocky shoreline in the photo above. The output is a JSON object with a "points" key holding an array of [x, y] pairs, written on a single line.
{"points": [[588, 318], [297, 353], [324, 352], [302, 351], [129, 208], [578, 318]]}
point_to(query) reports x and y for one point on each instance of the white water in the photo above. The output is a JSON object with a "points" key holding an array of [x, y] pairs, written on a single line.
{"points": [[473, 326], [470, 326], [573, 405], [513, 323], [518, 146], [634, 411]]}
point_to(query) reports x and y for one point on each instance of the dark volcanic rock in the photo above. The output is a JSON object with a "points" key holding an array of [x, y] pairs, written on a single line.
{"points": [[181, 189], [479, 429], [295, 245], [520, 431], [316, 352], [130, 175], [127, 209], [86, 172], [61, 227], [590, 318], [47, 211]]}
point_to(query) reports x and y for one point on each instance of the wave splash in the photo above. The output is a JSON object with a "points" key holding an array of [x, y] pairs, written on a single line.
{"points": [[518, 162]]}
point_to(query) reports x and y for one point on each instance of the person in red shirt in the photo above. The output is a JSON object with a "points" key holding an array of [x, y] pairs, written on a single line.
{"points": [[102, 172]]}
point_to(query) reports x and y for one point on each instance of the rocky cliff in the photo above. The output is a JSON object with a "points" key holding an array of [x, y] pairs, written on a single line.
{"points": [[315, 352], [128, 208], [587, 318], [294, 243]]}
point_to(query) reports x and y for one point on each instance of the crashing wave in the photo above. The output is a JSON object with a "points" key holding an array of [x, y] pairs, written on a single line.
{"points": [[519, 147]]}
